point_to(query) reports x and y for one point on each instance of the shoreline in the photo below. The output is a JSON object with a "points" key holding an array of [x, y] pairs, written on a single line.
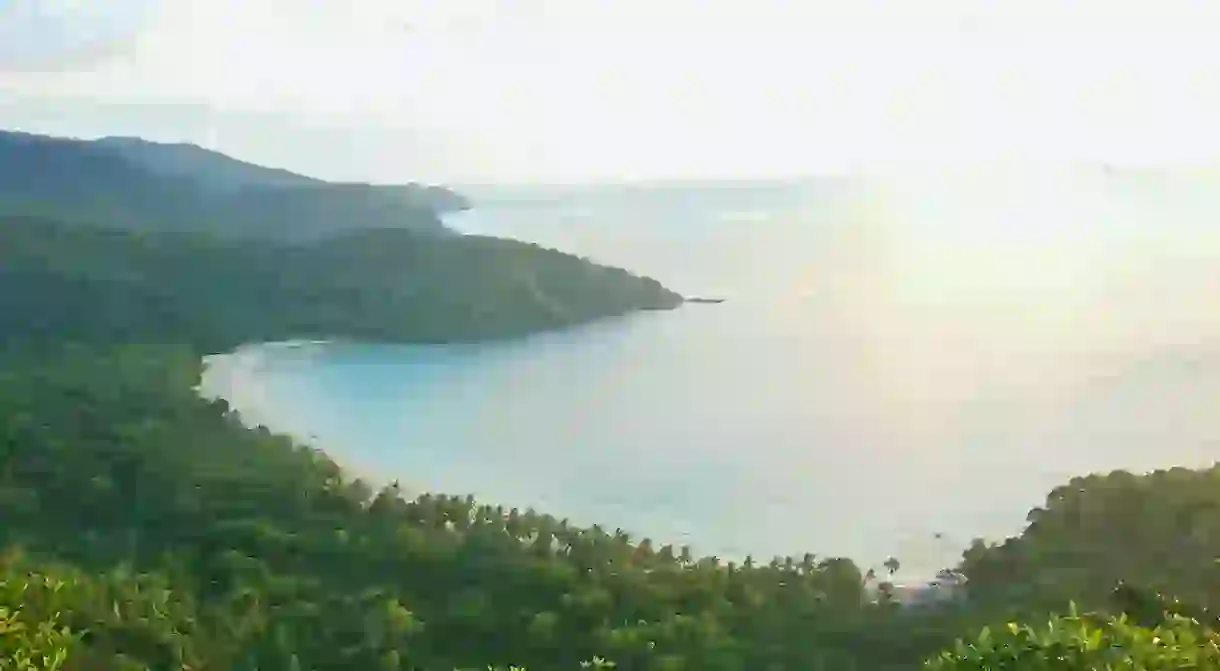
{"points": [[234, 378], [238, 377]]}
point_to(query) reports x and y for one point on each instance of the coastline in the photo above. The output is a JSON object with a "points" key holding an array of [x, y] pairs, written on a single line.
{"points": [[236, 378], [245, 378]]}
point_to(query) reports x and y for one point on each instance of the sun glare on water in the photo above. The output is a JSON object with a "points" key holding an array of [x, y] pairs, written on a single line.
{"points": [[941, 288], [1061, 256]]}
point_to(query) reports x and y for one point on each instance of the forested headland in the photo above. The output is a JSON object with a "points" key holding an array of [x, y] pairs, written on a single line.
{"points": [[94, 284]]}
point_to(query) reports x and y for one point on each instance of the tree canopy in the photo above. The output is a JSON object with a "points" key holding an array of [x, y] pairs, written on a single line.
{"points": [[61, 282]]}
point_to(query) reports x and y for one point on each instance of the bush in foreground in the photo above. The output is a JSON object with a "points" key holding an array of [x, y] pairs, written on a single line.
{"points": [[1086, 643], [31, 640]]}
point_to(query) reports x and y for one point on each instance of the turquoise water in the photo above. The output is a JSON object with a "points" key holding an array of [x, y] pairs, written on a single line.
{"points": [[900, 366]]}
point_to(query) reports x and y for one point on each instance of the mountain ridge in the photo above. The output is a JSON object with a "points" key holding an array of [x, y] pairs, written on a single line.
{"points": [[222, 172], [137, 184], [188, 160]]}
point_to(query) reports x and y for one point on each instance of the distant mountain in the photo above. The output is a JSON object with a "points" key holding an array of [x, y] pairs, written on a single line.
{"points": [[205, 167], [217, 171], [139, 185]]}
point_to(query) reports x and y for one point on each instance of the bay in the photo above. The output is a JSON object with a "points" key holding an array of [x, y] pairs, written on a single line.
{"points": [[902, 363]]}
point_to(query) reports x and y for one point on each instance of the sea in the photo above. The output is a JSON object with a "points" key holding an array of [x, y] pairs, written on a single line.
{"points": [[902, 363]]}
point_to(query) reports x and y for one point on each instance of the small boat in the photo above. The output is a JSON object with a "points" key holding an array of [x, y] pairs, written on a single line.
{"points": [[705, 300]]}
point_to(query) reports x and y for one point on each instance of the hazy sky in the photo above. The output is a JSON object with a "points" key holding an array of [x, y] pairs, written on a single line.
{"points": [[575, 90]]}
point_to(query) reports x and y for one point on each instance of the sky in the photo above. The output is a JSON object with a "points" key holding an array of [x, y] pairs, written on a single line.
{"points": [[474, 91]]}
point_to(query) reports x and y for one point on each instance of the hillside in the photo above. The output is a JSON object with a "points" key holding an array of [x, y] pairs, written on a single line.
{"points": [[208, 168], [62, 282], [216, 171], [139, 185]]}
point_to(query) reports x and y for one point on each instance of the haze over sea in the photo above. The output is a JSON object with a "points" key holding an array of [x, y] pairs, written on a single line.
{"points": [[902, 364]]}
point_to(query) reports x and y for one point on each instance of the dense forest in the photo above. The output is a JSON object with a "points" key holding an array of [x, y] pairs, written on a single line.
{"points": [[143, 527], [61, 282], [133, 184]]}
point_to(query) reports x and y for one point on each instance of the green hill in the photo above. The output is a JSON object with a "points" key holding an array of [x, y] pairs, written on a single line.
{"points": [[222, 173], [207, 168], [138, 185], [61, 282]]}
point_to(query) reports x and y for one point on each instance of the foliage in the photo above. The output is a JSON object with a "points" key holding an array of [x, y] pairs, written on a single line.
{"points": [[1115, 543], [31, 637], [1086, 643], [74, 283], [1156, 533]]}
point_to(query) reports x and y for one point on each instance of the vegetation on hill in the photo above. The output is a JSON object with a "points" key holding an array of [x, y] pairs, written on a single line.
{"points": [[207, 168], [1090, 642], [132, 184], [99, 285], [1137, 554], [1158, 532]]}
